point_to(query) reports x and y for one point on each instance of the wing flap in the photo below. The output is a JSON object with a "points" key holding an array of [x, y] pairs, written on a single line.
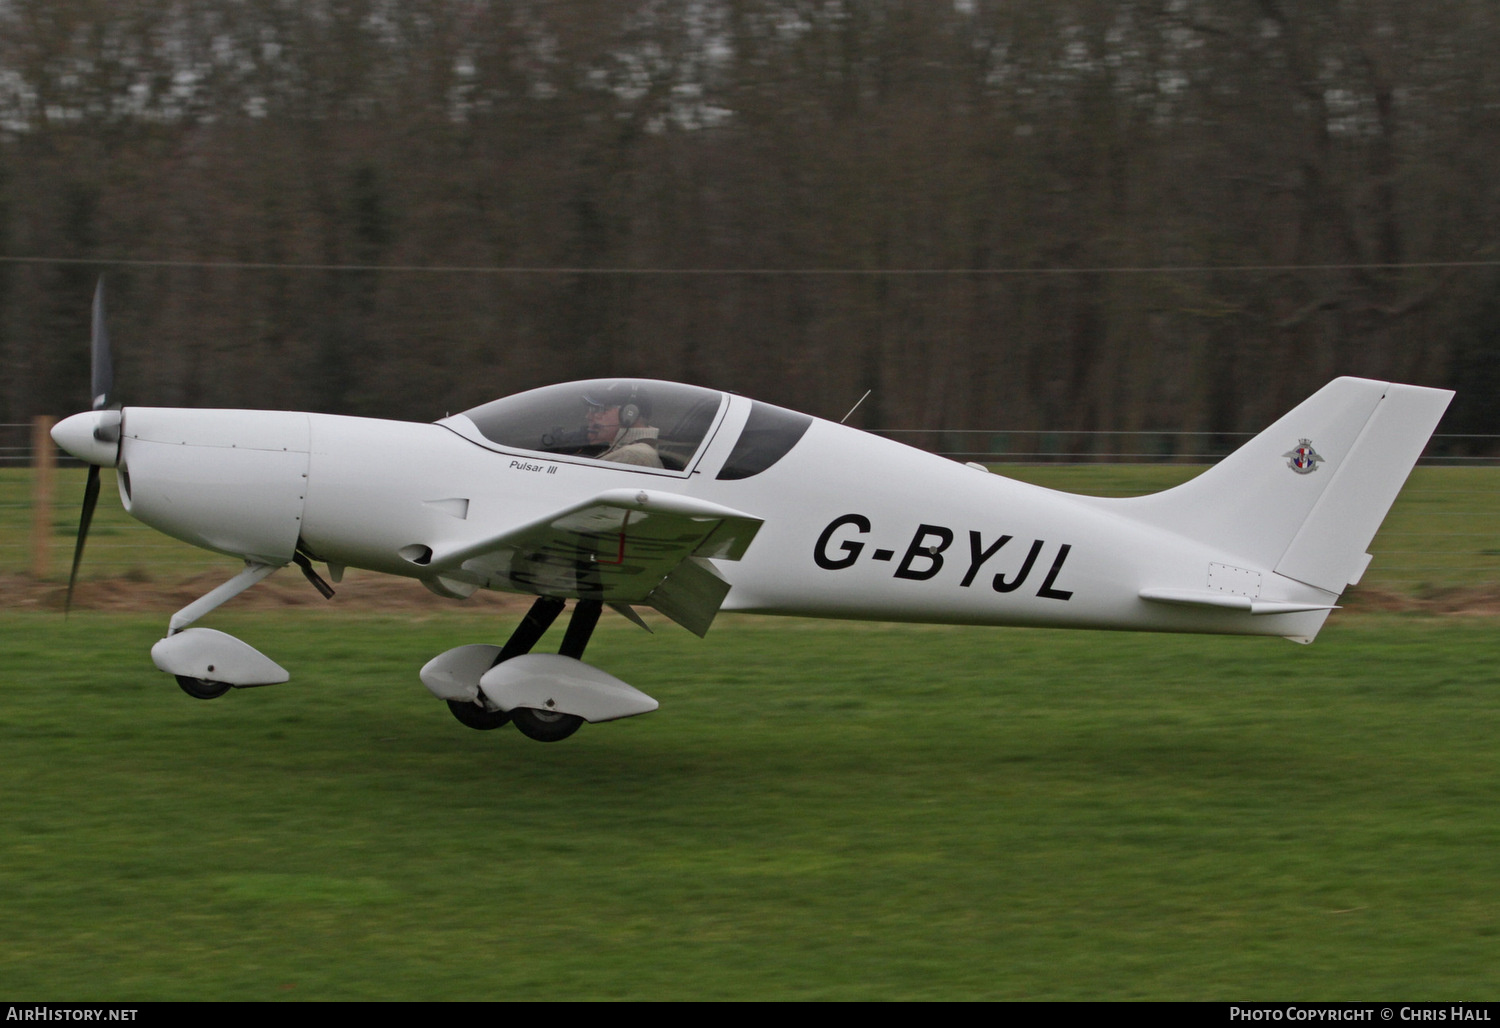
{"points": [[691, 595]]}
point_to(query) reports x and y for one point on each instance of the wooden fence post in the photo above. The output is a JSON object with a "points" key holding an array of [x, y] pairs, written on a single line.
{"points": [[44, 460]]}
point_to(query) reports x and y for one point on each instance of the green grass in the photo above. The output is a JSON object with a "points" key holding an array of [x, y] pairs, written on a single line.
{"points": [[817, 811]]}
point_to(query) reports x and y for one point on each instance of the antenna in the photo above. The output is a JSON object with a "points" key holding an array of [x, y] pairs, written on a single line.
{"points": [[856, 406]]}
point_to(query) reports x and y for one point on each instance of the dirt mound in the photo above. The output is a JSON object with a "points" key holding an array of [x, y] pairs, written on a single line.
{"points": [[287, 588], [1472, 602]]}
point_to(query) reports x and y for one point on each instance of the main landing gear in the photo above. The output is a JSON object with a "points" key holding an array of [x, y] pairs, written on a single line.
{"points": [[546, 696], [540, 724]]}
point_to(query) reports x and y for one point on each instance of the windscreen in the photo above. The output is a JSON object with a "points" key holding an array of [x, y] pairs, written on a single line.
{"points": [[636, 421]]}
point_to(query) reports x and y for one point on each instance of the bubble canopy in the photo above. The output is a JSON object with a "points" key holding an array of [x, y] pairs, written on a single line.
{"points": [[554, 419]]}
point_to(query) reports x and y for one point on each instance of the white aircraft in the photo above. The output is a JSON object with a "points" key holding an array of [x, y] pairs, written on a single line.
{"points": [[627, 493]]}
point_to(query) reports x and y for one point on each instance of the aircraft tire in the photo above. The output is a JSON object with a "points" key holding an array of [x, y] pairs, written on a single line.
{"points": [[545, 725], [475, 716], [202, 688]]}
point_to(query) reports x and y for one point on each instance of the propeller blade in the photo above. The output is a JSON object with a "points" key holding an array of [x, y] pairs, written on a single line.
{"points": [[103, 381], [81, 442], [90, 500]]}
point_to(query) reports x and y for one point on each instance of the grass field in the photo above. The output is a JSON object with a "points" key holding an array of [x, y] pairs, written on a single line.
{"points": [[837, 811], [816, 811]]}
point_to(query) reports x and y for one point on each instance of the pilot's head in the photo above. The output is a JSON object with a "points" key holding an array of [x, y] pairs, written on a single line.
{"points": [[613, 407]]}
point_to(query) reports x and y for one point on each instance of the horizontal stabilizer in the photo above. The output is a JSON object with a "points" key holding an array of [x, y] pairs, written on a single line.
{"points": [[1228, 601]]}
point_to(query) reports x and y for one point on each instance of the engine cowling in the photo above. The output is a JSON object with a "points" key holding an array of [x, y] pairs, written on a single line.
{"points": [[228, 480]]}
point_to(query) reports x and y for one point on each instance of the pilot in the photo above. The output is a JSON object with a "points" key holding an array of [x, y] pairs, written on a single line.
{"points": [[618, 419]]}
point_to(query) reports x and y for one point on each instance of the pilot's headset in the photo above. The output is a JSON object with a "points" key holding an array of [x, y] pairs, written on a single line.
{"points": [[630, 410], [625, 395]]}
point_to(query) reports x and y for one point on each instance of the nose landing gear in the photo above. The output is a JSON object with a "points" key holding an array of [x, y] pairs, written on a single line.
{"points": [[208, 663], [202, 688]]}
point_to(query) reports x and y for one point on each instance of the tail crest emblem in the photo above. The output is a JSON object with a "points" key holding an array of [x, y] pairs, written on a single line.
{"points": [[1303, 459]]}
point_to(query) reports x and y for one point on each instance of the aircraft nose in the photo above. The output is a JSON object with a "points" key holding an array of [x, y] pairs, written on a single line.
{"points": [[93, 436]]}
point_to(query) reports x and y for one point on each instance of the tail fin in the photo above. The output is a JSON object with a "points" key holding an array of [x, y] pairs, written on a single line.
{"points": [[1305, 497]]}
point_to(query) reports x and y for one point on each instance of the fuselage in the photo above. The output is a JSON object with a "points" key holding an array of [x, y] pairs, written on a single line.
{"points": [[855, 525]]}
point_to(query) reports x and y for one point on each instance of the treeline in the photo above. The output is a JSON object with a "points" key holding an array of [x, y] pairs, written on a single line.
{"points": [[795, 199]]}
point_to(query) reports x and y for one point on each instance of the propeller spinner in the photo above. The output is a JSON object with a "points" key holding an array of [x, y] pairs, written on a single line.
{"points": [[93, 436]]}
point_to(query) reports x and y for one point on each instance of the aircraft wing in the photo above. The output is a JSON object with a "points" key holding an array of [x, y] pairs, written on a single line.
{"points": [[624, 546]]}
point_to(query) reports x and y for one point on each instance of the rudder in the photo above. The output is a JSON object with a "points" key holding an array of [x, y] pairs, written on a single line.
{"points": [[1328, 550]]}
